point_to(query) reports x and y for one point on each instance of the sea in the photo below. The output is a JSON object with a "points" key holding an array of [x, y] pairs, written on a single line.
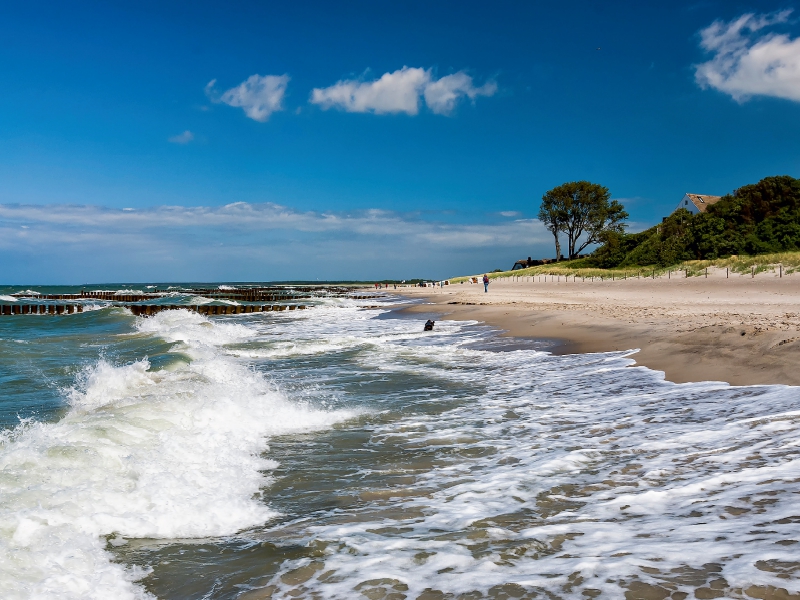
{"points": [[342, 452]]}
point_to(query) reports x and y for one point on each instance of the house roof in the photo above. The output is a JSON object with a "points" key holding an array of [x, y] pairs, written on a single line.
{"points": [[703, 201]]}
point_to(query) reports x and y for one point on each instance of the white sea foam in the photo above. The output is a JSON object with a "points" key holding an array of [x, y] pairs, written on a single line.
{"points": [[8, 298], [562, 476], [141, 453], [557, 476], [95, 306], [204, 300]]}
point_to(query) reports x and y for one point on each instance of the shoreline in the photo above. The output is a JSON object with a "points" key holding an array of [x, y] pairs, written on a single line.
{"points": [[740, 330]]}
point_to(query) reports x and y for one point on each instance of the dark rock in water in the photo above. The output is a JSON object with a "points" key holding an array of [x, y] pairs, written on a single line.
{"points": [[429, 325]]}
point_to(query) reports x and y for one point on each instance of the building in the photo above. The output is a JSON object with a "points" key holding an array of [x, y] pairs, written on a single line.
{"points": [[697, 203]]}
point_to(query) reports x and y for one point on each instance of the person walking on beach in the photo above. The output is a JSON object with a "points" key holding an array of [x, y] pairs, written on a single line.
{"points": [[485, 283]]}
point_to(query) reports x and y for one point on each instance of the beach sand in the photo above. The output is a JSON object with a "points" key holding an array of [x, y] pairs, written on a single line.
{"points": [[742, 330]]}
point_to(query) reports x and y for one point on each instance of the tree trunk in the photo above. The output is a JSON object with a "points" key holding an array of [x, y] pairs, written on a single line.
{"points": [[558, 246]]}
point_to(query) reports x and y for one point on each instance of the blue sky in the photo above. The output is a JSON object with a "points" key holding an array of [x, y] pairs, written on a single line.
{"points": [[368, 139]]}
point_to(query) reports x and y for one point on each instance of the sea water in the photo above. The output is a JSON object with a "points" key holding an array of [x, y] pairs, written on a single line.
{"points": [[342, 452]]}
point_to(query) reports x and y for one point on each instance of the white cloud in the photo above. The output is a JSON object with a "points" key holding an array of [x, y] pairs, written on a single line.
{"points": [[182, 138], [400, 92], [747, 62], [248, 217], [259, 96], [393, 93], [441, 95]]}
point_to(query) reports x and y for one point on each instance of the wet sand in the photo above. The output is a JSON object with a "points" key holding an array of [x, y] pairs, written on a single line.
{"points": [[742, 330]]}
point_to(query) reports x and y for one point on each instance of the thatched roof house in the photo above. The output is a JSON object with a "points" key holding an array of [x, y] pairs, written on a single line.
{"points": [[697, 203]]}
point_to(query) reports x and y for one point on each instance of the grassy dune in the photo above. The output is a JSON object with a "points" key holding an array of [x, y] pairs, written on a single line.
{"points": [[693, 268]]}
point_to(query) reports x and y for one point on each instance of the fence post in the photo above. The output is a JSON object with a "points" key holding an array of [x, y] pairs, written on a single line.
{"points": [[726, 272], [706, 272], [753, 272], [780, 270]]}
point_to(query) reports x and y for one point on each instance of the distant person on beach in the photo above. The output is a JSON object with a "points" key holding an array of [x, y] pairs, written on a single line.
{"points": [[429, 325], [485, 283]]}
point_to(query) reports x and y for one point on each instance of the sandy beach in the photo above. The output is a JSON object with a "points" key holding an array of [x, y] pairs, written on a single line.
{"points": [[738, 329]]}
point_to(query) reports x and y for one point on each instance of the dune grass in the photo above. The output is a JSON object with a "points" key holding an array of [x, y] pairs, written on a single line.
{"points": [[693, 268]]}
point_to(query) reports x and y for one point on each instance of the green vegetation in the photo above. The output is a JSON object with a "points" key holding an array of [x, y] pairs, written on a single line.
{"points": [[741, 265], [755, 229], [755, 219], [584, 212]]}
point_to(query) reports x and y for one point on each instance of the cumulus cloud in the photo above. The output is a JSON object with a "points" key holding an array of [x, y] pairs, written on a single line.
{"points": [[258, 96], [400, 92], [392, 93], [441, 95], [182, 138], [749, 61]]}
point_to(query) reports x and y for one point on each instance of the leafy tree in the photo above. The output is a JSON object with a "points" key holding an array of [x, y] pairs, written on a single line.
{"points": [[584, 211], [759, 218], [553, 217]]}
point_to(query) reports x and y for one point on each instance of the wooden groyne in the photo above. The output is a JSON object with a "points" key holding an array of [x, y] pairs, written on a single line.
{"points": [[40, 309], [144, 304], [146, 310], [256, 295]]}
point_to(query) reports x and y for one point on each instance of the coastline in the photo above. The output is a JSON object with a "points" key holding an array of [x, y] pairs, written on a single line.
{"points": [[740, 330]]}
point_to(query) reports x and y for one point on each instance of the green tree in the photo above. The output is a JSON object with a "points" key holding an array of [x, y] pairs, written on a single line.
{"points": [[553, 217], [583, 211]]}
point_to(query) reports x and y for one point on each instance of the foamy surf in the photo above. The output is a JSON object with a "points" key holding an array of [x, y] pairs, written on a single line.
{"points": [[140, 454], [472, 470], [569, 477]]}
